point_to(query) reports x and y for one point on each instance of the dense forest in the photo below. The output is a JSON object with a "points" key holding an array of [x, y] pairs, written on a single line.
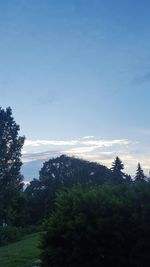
{"points": [[90, 215]]}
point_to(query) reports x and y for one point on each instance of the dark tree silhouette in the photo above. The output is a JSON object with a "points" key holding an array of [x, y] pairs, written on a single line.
{"points": [[10, 161], [57, 173], [117, 167], [140, 176]]}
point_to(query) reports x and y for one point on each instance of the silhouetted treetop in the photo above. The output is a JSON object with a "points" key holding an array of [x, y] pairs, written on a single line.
{"points": [[140, 176], [10, 162], [67, 170], [117, 167], [10, 149]]}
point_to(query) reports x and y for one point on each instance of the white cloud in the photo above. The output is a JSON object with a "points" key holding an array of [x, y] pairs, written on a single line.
{"points": [[80, 150], [95, 142], [24, 152], [88, 137], [87, 147], [42, 156], [25, 182], [106, 143], [92, 149], [50, 142]]}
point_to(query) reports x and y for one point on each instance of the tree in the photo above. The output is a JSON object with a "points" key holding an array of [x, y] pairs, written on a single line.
{"points": [[37, 196], [117, 167], [140, 176], [57, 173], [11, 180], [66, 171]]}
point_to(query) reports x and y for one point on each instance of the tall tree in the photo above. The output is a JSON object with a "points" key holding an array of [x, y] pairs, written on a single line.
{"points": [[140, 176], [10, 161], [56, 173], [117, 167]]}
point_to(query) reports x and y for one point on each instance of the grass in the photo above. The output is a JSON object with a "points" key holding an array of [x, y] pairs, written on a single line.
{"points": [[20, 254]]}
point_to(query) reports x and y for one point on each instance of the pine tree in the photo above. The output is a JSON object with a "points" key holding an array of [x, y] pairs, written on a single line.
{"points": [[140, 176], [10, 161], [117, 167]]}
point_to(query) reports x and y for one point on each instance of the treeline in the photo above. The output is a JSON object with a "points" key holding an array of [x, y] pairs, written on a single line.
{"points": [[21, 207], [93, 216], [63, 172]]}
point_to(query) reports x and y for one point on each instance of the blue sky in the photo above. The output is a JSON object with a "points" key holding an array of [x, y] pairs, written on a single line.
{"points": [[78, 68]]}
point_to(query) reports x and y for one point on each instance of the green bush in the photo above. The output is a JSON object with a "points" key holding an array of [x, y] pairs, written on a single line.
{"points": [[9, 234], [101, 226]]}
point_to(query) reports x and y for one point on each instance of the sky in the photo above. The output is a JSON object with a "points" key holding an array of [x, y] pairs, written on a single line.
{"points": [[76, 74]]}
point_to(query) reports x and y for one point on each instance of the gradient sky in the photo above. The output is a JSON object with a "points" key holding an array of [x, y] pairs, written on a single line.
{"points": [[77, 70]]}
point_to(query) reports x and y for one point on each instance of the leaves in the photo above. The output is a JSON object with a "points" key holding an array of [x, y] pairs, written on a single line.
{"points": [[10, 162], [99, 226]]}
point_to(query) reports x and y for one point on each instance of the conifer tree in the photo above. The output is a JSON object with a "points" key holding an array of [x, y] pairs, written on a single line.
{"points": [[140, 176], [117, 167]]}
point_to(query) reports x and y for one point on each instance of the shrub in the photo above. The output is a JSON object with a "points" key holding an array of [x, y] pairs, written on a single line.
{"points": [[9, 234], [103, 226]]}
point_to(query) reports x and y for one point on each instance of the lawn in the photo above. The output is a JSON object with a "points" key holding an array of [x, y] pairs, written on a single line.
{"points": [[20, 254]]}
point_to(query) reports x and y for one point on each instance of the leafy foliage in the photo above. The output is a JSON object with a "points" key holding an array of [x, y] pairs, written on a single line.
{"points": [[66, 171], [10, 163], [107, 225], [100, 217], [10, 150], [58, 173], [9, 234]]}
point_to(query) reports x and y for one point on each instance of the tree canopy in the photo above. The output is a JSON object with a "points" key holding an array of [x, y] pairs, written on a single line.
{"points": [[58, 173], [10, 162]]}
